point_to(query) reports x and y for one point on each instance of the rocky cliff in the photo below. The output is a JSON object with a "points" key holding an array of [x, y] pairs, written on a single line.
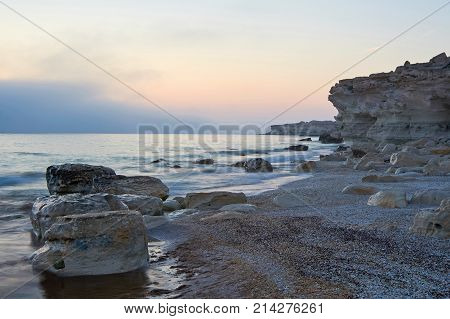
{"points": [[409, 103], [313, 128]]}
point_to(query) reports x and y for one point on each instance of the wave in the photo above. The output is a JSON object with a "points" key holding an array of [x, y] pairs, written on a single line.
{"points": [[32, 153], [20, 179]]}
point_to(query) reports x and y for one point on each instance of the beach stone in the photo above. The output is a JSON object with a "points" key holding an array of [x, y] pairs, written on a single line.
{"points": [[146, 205], [297, 148], [74, 178], [308, 166], [430, 196], [47, 209], [384, 179], [288, 200], [431, 222], [258, 165], [407, 159], [359, 190], [242, 208], [205, 161], [362, 164], [437, 167], [134, 185], [94, 244], [213, 200], [388, 199], [170, 205], [403, 170]]}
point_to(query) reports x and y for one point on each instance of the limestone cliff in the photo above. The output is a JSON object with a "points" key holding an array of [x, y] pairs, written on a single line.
{"points": [[406, 104]]}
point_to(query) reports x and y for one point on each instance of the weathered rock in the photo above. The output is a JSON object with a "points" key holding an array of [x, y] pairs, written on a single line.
{"points": [[306, 139], [94, 244], [389, 148], [134, 185], [258, 165], [239, 164], [213, 200], [313, 128], [46, 209], [441, 150], [357, 153], [74, 178], [431, 222], [297, 148], [242, 208], [388, 199], [342, 148], [359, 190], [205, 161], [407, 159], [146, 205], [391, 170], [171, 204], [308, 166], [403, 170], [407, 104], [385, 179], [430, 197], [180, 200], [363, 163], [334, 157], [437, 167], [327, 138]]}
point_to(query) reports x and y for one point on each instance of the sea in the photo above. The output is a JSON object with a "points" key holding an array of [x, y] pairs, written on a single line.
{"points": [[169, 157]]}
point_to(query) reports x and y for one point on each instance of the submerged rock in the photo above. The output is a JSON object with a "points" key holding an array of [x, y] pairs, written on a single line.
{"points": [[388, 199], [94, 244], [258, 165], [432, 222], [213, 200], [47, 209], [74, 178], [297, 148], [134, 185]]}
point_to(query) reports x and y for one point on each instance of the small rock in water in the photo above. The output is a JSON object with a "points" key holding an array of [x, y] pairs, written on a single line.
{"points": [[205, 161], [388, 199], [307, 167], [297, 148], [258, 165], [306, 139], [94, 244]]}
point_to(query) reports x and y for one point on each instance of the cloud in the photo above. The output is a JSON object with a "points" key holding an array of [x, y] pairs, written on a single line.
{"points": [[55, 107]]}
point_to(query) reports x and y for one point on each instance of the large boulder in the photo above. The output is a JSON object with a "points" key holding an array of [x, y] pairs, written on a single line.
{"points": [[134, 185], [388, 199], [213, 200], [437, 167], [94, 244], [328, 138], [407, 159], [257, 165], [430, 222], [74, 178], [47, 209], [430, 196], [146, 205]]}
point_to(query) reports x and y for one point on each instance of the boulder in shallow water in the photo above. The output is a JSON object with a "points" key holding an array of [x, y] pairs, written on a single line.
{"points": [[430, 222], [306, 167], [146, 205], [213, 200], [297, 148], [94, 244], [134, 185], [388, 199], [205, 161], [359, 190], [46, 209], [74, 178], [258, 165]]}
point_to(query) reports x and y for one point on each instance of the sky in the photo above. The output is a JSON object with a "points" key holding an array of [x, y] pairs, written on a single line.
{"points": [[205, 62]]}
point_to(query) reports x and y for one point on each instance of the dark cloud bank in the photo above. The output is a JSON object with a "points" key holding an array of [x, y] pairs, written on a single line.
{"points": [[48, 107]]}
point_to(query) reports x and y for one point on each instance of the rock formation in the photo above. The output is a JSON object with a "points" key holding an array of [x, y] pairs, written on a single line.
{"points": [[313, 128], [213, 200], [409, 103]]}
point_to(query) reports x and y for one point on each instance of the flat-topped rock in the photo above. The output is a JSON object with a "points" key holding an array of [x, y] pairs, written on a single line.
{"points": [[47, 209], [94, 244], [213, 200], [134, 185], [74, 178]]}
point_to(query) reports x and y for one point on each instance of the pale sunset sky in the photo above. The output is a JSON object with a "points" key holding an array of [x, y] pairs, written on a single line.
{"points": [[216, 61]]}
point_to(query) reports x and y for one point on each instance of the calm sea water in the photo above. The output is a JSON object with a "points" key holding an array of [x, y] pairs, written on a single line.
{"points": [[24, 159]]}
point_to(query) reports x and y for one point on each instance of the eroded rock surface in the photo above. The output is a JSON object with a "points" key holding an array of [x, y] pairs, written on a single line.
{"points": [[431, 222], [409, 103]]}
